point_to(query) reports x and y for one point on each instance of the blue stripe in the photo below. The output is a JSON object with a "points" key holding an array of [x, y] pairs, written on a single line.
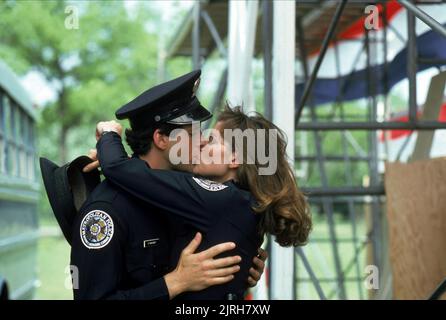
{"points": [[355, 85]]}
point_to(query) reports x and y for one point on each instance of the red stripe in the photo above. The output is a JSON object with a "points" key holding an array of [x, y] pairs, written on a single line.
{"points": [[356, 29], [396, 134]]}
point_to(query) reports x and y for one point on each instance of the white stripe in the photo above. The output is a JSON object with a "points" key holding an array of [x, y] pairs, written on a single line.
{"points": [[348, 49]]}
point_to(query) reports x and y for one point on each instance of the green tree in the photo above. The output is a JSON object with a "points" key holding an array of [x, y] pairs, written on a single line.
{"points": [[94, 68]]}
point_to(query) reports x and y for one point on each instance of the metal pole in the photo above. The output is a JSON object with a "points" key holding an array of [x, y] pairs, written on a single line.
{"points": [[439, 291], [348, 174], [313, 277], [284, 53], [267, 57], [196, 37], [312, 192], [340, 199], [373, 149], [302, 49], [423, 16], [372, 125], [357, 251], [347, 80], [321, 56], [412, 66], [385, 77], [332, 158], [432, 61], [327, 204], [216, 102], [213, 30], [271, 267]]}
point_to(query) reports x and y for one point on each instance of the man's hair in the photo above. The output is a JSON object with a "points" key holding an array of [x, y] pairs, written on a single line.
{"points": [[140, 140]]}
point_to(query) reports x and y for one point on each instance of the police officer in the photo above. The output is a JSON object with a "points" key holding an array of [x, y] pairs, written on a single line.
{"points": [[121, 246], [221, 211]]}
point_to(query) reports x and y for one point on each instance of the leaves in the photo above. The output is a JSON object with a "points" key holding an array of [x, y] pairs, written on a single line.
{"points": [[94, 69]]}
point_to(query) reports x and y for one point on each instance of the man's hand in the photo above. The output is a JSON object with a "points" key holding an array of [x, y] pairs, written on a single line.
{"points": [[197, 271], [103, 126], [93, 155], [255, 272]]}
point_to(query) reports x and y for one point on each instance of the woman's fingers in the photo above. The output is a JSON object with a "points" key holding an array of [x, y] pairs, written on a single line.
{"points": [[91, 166], [258, 264], [252, 282], [254, 274], [263, 254], [217, 249]]}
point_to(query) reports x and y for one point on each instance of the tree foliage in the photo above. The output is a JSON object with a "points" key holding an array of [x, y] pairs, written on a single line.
{"points": [[94, 69]]}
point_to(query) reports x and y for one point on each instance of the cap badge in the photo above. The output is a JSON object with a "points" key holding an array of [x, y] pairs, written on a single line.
{"points": [[195, 88]]}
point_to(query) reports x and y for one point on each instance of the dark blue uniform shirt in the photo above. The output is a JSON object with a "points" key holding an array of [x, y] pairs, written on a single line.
{"points": [[120, 248], [223, 212]]}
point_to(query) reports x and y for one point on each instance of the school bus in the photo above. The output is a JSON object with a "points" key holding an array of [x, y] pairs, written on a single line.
{"points": [[19, 190]]}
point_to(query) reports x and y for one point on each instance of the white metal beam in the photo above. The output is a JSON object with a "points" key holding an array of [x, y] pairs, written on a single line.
{"points": [[284, 40], [242, 29]]}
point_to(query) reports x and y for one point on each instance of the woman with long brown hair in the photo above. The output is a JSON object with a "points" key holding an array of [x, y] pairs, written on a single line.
{"points": [[281, 205], [236, 202]]}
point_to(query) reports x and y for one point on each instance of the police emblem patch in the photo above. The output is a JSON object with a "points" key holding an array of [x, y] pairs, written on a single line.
{"points": [[209, 184], [97, 229]]}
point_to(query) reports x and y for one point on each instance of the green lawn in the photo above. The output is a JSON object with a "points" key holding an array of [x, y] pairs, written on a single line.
{"points": [[321, 259], [53, 257]]}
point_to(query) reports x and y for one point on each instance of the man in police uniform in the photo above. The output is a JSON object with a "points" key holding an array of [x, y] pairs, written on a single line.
{"points": [[120, 246]]}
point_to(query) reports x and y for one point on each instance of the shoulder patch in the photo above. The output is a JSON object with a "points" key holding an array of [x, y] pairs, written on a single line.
{"points": [[209, 184], [96, 229]]}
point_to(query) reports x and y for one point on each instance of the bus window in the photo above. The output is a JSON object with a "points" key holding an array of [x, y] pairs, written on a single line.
{"points": [[2, 135], [20, 119], [12, 139], [19, 188], [7, 130]]}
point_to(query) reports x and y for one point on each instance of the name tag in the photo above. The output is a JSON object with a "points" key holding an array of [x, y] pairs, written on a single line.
{"points": [[150, 242]]}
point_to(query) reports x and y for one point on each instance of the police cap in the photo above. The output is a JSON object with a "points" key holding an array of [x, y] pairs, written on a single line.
{"points": [[68, 187], [172, 102]]}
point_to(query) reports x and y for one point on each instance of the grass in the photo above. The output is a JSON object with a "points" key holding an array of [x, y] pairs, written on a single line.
{"points": [[319, 252], [53, 257]]}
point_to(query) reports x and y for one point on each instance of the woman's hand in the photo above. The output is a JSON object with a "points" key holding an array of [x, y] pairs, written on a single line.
{"points": [[197, 271], [104, 126], [93, 155], [256, 271]]}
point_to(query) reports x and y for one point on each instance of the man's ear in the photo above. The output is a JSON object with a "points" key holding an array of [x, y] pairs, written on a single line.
{"points": [[235, 163], [160, 141]]}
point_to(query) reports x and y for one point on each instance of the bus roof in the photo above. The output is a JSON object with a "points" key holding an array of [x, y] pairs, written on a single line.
{"points": [[11, 84]]}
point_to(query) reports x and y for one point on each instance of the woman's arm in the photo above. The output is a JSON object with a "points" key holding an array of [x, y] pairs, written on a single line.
{"points": [[177, 193]]}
